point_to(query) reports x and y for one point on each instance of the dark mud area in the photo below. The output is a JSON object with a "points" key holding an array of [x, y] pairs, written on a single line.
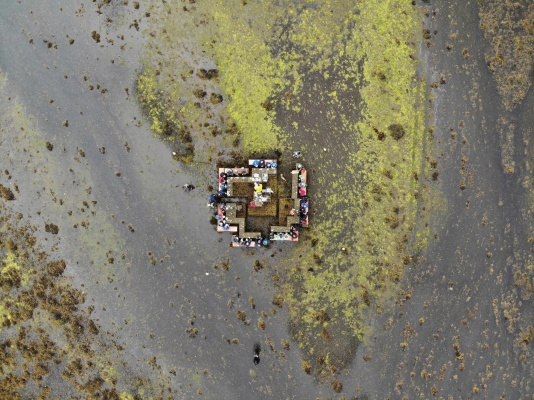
{"points": [[461, 326]]}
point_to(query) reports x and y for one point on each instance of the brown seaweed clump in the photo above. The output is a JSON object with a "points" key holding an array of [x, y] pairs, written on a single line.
{"points": [[216, 98], [39, 305], [52, 228], [6, 193], [396, 131], [336, 386], [207, 74], [509, 27], [96, 36]]}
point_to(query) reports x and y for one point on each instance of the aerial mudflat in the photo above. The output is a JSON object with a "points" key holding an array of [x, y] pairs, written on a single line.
{"points": [[387, 252]]}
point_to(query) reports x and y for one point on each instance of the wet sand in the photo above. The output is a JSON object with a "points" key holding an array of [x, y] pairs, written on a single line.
{"points": [[458, 330], [145, 253], [162, 282]]}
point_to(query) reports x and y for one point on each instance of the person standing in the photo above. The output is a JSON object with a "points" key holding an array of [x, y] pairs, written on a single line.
{"points": [[257, 354]]}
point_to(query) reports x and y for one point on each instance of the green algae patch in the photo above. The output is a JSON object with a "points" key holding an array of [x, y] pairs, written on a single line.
{"points": [[12, 278], [368, 223], [11, 274], [249, 76], [148, 94], [165, 121], [391, 132], [250, 58], [339, 83]]}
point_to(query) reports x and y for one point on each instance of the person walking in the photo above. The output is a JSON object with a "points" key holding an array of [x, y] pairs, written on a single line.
{"points": [[257, 350]]}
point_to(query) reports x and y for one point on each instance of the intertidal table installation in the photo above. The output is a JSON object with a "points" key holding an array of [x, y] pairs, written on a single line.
{"points": [[252, 191]]}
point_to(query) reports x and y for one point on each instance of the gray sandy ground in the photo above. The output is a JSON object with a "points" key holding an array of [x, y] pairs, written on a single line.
{"points": [[456, 334], [164, 250], [162, 279]]}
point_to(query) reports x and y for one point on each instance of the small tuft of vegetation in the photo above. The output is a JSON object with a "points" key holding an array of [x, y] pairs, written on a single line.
{"points": [[306, 366], [193, 332], [396, 131], [242, 316], [258, 266], [216, 98], [278, 300], [207, 74], [52, 228], [6, 193], [336, 386], [96, 36]]}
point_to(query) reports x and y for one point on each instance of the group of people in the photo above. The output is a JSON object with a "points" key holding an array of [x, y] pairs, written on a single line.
{"points": [[293, 233], [223, 184], [302, 184], [247, 242], [304, 211], [229, 172], [241, 171], [221, 218], [212, 201], [264, 164]]}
